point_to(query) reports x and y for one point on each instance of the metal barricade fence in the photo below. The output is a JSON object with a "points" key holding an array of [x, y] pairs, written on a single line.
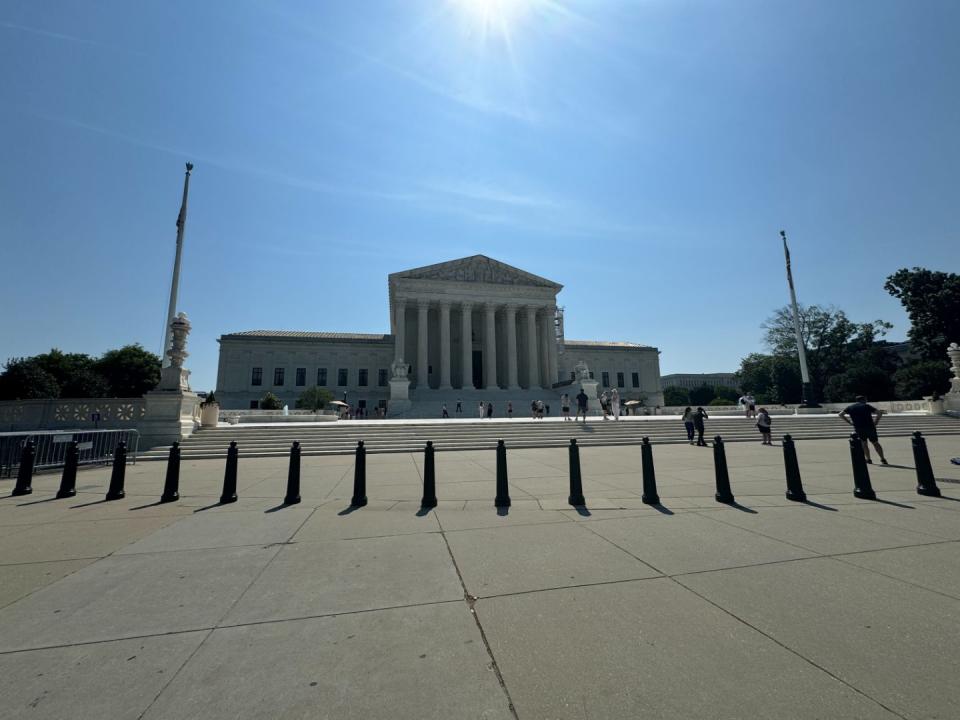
{"points": [[95, 446]]}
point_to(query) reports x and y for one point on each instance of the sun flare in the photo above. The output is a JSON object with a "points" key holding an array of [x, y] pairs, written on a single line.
{"points": [[497, 15]]}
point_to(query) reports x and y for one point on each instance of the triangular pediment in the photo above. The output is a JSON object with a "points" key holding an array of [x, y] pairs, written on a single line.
{"points": [[477, 269]]}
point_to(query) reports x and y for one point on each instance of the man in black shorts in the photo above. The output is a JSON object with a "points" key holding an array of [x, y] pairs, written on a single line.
{"points": [[864, 419]]}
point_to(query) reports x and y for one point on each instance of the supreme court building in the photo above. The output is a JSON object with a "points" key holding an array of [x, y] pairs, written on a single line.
{"points": [[473, 328]]}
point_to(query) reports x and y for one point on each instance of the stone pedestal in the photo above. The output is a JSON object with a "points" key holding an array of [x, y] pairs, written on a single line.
{"points": [[951, 401], [399, 390], [168, 417]]}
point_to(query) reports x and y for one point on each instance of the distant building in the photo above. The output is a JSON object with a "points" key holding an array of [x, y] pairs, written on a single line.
{"points": [[689, 381]]}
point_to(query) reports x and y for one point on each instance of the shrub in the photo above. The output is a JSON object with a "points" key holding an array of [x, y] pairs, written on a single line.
{"points": [[314, 398], [270, 402]]}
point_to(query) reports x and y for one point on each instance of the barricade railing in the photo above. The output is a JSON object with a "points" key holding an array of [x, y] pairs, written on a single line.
{"points": [[95, 447]]}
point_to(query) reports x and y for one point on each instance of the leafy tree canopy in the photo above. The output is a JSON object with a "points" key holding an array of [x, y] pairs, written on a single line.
{"points": [[932, 301], [270, 402], [674, 395], [314, 398], [922, 379], [702, 395], [129, 371]]}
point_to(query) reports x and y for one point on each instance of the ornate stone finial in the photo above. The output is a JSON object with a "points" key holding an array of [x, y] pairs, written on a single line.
{"points": [[582, 371], [175, 377], [953, 352]]}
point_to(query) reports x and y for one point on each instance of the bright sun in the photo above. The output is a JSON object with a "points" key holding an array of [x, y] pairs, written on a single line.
{"points": [[497, 15]]}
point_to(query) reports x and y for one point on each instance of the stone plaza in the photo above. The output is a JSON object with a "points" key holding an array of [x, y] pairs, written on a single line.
{"points": [[834, 608]]}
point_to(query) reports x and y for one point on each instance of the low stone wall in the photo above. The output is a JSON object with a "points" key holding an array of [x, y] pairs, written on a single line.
{"points": [[889, 406], [79, 414]]}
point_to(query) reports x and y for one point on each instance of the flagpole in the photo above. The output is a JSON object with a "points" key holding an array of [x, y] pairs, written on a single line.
{"points": [[806, 393], [175, 285]]}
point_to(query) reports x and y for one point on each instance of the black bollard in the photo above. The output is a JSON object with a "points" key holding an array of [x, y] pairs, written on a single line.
{"points": [[171, 483], [360, 477], [293, 476], [861, 476], [119, 473], [68, 481], [576, 480], [230, 475], [794, 483], [724, 493], [429, 478], [650, 496], [926, 482], [503, 488], [23, 485]]}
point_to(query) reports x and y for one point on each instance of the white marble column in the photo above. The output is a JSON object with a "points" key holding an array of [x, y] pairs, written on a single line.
{"points": [[510, 319], [533, 362], [400, 334], [544, 327], [423, 377], [552, 339], [445, 346], [490, 348], [466, 342]]}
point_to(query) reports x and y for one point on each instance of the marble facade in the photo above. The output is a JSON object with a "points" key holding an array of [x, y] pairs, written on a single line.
{"points": [[467, 326]]}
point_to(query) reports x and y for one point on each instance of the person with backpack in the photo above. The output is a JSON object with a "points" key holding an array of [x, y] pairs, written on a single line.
{"points": [[764, 424], [698, 417]]}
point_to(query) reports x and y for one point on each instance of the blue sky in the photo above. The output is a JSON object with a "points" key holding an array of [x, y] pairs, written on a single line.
{"points": [[644, 154]]}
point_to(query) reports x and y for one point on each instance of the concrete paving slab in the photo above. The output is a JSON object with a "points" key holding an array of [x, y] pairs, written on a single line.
{"points": [[895, 642], [17, 581], [327, 523], [919, 518], [349, 576], [651, 649], [74, 540], [116, 679], [691, 542], [935, 567], [131, 596], [425, 662], [520, 558], [823, 531], [523, 502], [212, 530], [454, 520]]}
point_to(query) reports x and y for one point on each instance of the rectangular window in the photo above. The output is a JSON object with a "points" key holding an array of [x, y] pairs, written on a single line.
{"points": [[256, 378], [635, 379], [301, 376], [278, 376], [322, 377], [342, 377], [382, 377], [362, 377], [254, 404], [605, 378], [362, 404], [620, 381]]}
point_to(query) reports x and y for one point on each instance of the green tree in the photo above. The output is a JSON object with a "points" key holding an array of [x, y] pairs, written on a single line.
{"points": [[269, 401], [832, 341], [702, 395], [674, 395], [25, 379], [771, 378], [932, 301], [728, 394], [718, 401], [921, 379], [314, 398], [129, 371]]}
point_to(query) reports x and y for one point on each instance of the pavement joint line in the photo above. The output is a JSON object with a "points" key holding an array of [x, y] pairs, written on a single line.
{"points": [[471, 601], [341, 613], [789, 649], [83, 643], [753, 531], [55, 560], [226, 612], [599, 583], [926, 588]]}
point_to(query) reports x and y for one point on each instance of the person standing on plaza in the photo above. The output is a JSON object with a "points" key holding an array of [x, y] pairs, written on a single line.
{"points": [[581, 406], [510, 409], [459, 407], [865, 419], [688, 416], [698, 417], [565, 406], [604, 404], [615, 404], [489, 410], [444, 414], [764, 424], [751, 406], [481, 410]]}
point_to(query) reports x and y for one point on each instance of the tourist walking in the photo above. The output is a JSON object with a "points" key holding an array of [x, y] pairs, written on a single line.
{"points": [[698, 417], [481, 410], [510, 409], [764, 424], [489, 410], [533, 409], [688, 416], [865, 419], [459, 407], [539, 409], [615, 404], [444, 412], [581, 405], [749, 405], [565, 406], [604, 404]]}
